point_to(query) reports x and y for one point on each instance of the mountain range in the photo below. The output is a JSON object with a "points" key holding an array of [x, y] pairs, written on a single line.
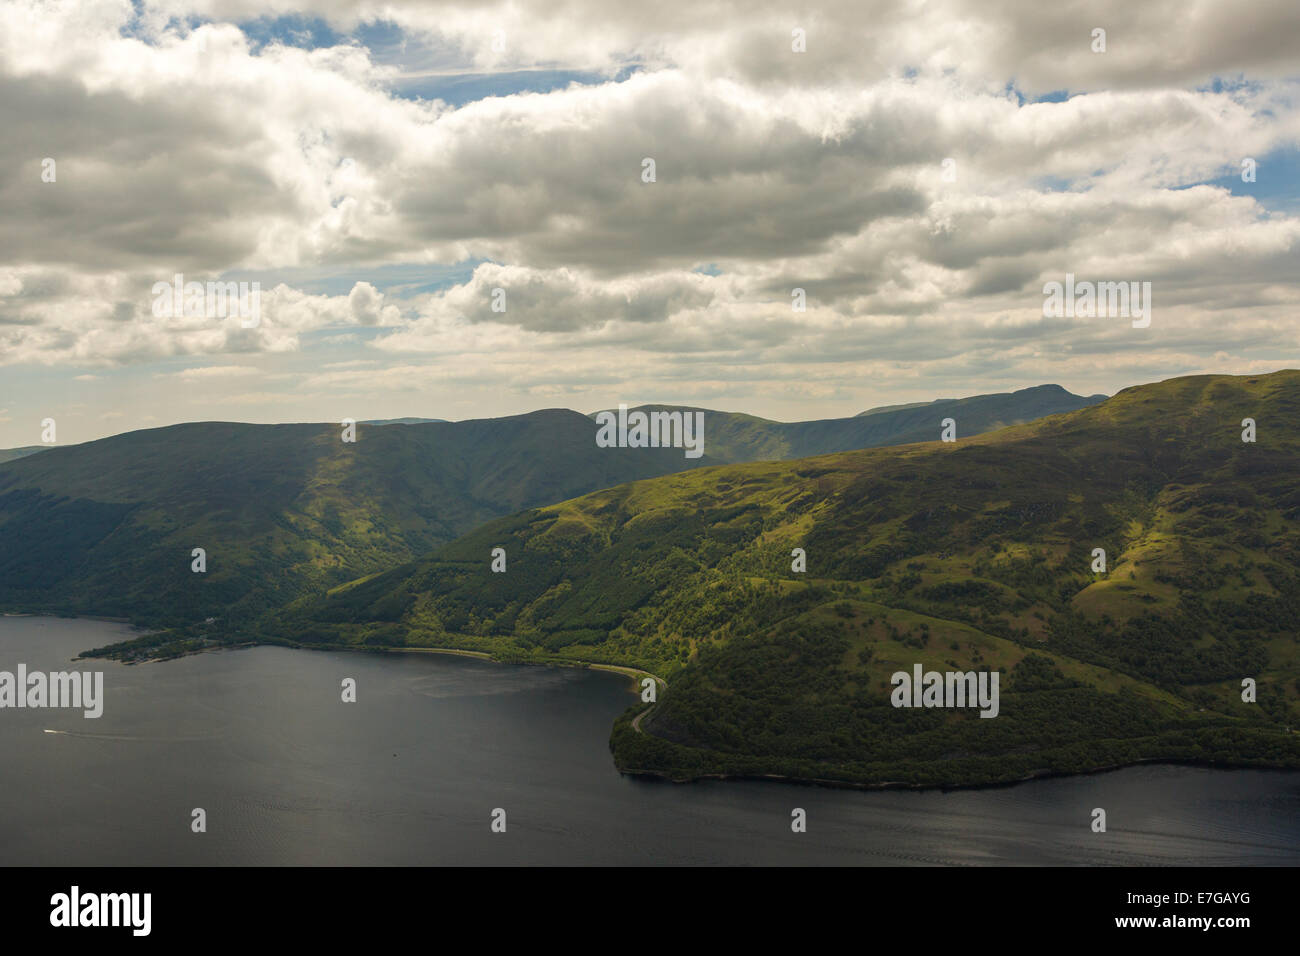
{"points": [[109, 527], [1129, 567], [976, 555], [736, 437]]}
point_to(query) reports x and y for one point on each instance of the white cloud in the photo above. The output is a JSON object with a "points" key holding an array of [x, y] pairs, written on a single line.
{"points": [[194, 151], [214, 371]]}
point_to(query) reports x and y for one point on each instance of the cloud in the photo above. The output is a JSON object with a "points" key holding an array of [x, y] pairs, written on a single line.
{"points": [[1157, 43], [556, 300], [899, 172], [214, 371]]}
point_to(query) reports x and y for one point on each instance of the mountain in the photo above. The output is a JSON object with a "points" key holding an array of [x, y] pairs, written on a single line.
{"points": [[1007, 408], [107, 527], [13, 454], [733, 437], [898, 408], [401, 421], [967, 556]]}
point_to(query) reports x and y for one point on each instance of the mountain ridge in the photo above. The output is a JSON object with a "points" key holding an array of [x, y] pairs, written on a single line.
{"points": [[965, 555], [13, 454], [107, 527], [732, 437]]}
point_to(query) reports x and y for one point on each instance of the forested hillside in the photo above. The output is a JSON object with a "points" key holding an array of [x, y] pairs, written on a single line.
{"points": [[968, 555]]}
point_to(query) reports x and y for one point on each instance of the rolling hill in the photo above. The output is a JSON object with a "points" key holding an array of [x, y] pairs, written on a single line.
{"points": [[974, 555], [401, 421], [107, 527], [734, 437]]}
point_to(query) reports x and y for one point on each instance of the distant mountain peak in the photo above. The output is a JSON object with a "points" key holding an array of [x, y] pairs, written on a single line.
{"points": [[400, 421], [1049, 392], [1050, 387]]}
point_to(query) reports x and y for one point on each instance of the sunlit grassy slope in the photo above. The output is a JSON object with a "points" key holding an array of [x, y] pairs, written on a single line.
{"points": [[976, 555]]}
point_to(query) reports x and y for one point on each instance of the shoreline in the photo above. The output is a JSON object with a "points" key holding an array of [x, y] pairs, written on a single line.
{"points": [[623, 669], [665, 777], [662, 777]]}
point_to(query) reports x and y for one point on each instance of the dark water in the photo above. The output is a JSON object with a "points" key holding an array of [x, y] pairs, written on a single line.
{"points": [[411, 773]]}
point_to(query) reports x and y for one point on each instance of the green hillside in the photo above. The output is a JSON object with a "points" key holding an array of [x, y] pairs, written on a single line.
{"points": [[107, 527], [966, 556], [733, 437], [13, 454]]}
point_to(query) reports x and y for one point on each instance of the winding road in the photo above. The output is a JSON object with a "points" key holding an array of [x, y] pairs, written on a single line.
{"points": [[636, 721]]}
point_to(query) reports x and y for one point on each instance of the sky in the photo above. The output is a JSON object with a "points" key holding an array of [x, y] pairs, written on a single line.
{"points": [[381, 169]]}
